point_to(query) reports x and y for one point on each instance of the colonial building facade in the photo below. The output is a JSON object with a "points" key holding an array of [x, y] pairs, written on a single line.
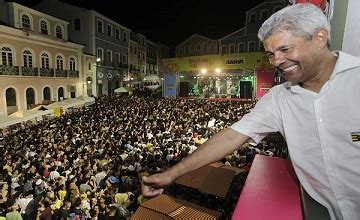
{"points": [[38, 64], [106, 39]]}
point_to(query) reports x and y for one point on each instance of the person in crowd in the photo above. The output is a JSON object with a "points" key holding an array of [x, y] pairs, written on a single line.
{"points": [[14, 214], [308, 110]]}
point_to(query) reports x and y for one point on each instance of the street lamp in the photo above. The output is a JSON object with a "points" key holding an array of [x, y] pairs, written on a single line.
{"points": [[98, 60]]}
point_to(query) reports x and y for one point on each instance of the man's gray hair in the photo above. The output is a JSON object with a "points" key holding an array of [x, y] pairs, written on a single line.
{"points": [[301, 20]]}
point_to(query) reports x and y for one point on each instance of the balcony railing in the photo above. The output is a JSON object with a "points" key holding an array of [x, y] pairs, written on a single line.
{"points": [[73, 73], [9, 70], [47, 72], [29, 71], [60, 73], [34, 71]]}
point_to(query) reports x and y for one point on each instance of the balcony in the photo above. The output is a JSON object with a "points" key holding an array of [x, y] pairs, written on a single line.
{"points": [[29, 71], [47, 72], [9, 70], [60, 73], [73, 73]]}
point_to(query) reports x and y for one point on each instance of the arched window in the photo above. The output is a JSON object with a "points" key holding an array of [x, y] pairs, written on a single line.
{"points": [[192, 49], [47, 94], [30, 97], [10, 97], [198, 47], [60, 94], [44, 27], [6, 56], [25, 22], [59, 31], [212, 48], [27, 59], [72, 63], [59, 62], [206, 47], [45, 61]]}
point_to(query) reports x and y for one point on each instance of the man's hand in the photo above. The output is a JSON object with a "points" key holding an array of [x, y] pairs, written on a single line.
{"points": [[153, 185]]}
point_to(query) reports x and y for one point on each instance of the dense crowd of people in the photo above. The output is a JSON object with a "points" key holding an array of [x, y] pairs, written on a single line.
{"points": [[87, 164]]}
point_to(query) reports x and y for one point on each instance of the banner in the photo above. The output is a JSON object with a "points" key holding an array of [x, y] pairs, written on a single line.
{"points": [[170, 85], [265, 80]]}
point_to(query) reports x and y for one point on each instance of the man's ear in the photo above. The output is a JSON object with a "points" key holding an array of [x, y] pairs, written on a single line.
{"points": [[321, 38]]}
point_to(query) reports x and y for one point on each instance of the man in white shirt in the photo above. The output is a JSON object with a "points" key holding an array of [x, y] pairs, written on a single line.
{"points": [[316, 111]]}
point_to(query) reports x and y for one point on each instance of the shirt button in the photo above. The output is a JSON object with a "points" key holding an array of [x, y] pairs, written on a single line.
{"points": [[321, 120]]}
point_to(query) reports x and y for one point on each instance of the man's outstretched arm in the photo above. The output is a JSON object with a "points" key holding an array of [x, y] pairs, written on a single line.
{"points": [[214, 149]]}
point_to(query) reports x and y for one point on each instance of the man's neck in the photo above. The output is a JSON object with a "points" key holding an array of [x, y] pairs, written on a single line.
{"points": [[326, 69]]}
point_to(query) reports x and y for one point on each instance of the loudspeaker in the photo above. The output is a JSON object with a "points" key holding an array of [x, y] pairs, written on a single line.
{"points": [[184, 89]]}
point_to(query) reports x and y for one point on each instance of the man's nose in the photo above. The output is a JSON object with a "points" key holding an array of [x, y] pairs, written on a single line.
{"points": [[277, 59]]}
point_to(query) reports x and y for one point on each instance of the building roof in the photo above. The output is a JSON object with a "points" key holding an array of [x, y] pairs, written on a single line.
{"points": [[165, 207], [206, 179]]}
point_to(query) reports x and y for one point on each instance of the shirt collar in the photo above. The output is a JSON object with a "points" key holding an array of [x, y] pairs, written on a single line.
{"points": [[344, 62]]}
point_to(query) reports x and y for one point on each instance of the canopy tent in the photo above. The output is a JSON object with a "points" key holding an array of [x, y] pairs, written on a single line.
{"points": [[122, 89], [23, 115], [42, 110]]}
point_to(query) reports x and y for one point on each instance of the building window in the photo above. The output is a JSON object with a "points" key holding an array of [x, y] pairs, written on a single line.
{"points": [[100, 26], [206, 47], [117, 33], [117, 57], [109, 30], [186, 50], [224, 49], [45, 61], [100, 53], [124, 59], [241, 47], [72, 63], [109, 56], [59, 62], [47, 93], [192, 48], [125, 37], [25, 21], [59, 32], [44, 27], [131, 49], [181, 52], [77, 24], [6, 56], [232, 48], [252, 18], [251, 46], [212, 48], [10, 97], [27, 59], [198, 47]]}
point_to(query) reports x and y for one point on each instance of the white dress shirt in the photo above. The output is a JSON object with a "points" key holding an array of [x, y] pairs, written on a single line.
{"points": [[318, 129]]}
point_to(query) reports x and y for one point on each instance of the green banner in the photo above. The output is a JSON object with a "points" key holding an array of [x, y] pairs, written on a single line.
{"points": [[212, 62]]}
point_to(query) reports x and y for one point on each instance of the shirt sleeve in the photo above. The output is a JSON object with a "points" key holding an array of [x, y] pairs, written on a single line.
{"points": [[262, 119]]}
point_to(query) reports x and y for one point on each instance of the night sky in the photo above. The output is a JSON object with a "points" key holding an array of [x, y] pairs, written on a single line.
{"points": [[172, 21]]}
